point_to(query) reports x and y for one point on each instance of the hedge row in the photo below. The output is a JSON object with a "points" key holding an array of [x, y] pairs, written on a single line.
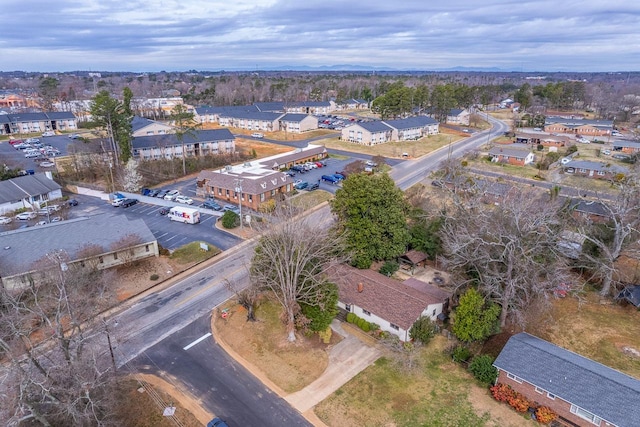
{"points": [[360, 322]]}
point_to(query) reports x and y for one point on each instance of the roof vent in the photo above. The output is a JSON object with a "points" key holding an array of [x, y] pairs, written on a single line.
{"points": [[360, 287]]}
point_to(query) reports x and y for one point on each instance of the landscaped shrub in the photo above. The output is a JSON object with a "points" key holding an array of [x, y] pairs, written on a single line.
{"points": [[351, 318], [325, 335], [360, 322], [502, 392], [519, 403], [545, 415], [482, 369], [461, 354], [389, 267], [423, 330], [230, 219], [163, 251], [154, 277], [366, 326]]}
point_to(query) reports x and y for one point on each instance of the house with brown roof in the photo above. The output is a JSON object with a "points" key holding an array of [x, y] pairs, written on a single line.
{"points": [[255, 182], [578, 126], [387, 302]]}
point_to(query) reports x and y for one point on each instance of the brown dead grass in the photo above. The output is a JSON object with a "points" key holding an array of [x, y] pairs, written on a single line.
{"points": [[291, 366], [595, 328], [137, 278], [263, 149]]}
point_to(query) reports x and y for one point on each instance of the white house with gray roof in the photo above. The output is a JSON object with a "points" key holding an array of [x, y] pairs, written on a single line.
{"points": [[298, 123], [368, 133], [29, 191], [511, 154], [412, 128], [24, 123], [99, 241], [145, 127], [581, 391]]}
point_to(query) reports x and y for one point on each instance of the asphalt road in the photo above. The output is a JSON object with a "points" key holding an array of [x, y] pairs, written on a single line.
{"points": [[227, 389]]}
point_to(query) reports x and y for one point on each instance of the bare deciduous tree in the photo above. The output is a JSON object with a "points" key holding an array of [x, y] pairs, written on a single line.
{"points": [[291, 260], [509, 250]]}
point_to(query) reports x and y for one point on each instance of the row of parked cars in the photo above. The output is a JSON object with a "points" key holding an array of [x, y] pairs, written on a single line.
{"points": [[47, 211], [173, 195], [306, 167], [34, 149]]}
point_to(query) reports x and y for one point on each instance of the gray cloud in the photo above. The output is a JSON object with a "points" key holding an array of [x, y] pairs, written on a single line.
{"points": [[137, 35]]}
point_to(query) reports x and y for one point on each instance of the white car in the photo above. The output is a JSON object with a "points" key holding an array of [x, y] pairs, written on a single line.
{"points": [[32, 140], [5, 220], [25, 216], [47, 164], [49, 133], [117, 202], [184, 199], [171, 195], [257, 135], [614, 133]]}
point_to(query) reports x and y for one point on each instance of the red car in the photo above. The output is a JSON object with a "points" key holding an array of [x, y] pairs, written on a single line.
{"points": [[15, 141]]}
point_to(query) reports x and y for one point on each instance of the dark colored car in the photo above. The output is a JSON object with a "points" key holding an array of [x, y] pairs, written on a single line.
{"points": [[217, 422], [153, 193], [145, 191], [161, 194], [330, 178], [290, 173], [72, 202], [301, 185], [128, 202], [165, 210], [210, 204], [312, 187]]}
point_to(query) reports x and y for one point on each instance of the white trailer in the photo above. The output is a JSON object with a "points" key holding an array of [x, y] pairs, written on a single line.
{"points": [[184, 214]]}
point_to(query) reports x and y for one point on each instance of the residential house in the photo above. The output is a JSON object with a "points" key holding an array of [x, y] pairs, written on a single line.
{"points": [[412, 128], [309, 107], [353, 104], [167, 146], [145, 127], [259, 181], [298, 123], [627, 147], [212, 114], [590, 210], [99, 241], [458, 116], [250, 120], [578, 126], [391, 304], [545, 140], [511, 154], [29, 191], [581, 391], [368, 133], [594, 169], [27, 123]]}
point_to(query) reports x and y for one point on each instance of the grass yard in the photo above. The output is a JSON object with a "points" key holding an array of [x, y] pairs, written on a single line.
{"points": [[263, 149], [394, 149], [308, 199], [598, 330], [192, 253], [291, 366], [438, 392], [512, 170]]}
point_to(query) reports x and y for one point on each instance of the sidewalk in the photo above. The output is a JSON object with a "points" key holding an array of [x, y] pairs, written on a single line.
{"points": [[346, 360]]}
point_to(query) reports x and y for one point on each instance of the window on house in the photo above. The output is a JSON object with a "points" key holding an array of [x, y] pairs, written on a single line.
{"points": [[115, 255], [434, 312], [262, 197], [366, 312], [551, 396], [514, 378], [396, 327], [146, 248], [539, 390], [585, 414], [100, 260], [347, 307]]}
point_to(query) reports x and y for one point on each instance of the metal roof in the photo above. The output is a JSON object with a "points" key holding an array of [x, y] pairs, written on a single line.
{"points": [[605, 392]]}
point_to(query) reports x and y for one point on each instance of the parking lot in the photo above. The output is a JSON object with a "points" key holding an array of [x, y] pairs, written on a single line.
{"points": [[16, 159]]}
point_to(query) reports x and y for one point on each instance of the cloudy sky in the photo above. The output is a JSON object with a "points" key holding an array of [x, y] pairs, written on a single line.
{"points": [[177, 35]]}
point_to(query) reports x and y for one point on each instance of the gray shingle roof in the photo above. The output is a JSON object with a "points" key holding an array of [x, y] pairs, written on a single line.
{"points": [[252, 115], [510, 151], [627, 144], [605, 392], [140, 122], [596, 166], [60, 115], [225, 110], [29, 245], [577, 122], [294, 117], [411, 122], [589, 206], [168, 140], [270, 106], [20, 187], [374, 126]]}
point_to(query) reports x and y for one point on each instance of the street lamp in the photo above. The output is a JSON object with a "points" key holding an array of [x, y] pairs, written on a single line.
{"points": [[238, 185]]}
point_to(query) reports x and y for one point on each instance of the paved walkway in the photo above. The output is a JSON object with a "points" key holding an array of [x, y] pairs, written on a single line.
{"points": [[346, 360]]}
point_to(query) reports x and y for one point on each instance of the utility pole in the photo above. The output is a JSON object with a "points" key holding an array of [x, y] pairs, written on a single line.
{"points": [[238, 185]]}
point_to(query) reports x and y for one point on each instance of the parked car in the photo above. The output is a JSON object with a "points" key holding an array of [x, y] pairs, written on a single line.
{"points": [[49, 133], [47, 164], [74, 136], [210, 204], [14, 142], [301, 185], [184, 199], [371, 163], [4, 220], [72, 202], [290, 173], [330, 178], [128, 202], [117, 202], [165, 210], [217, 422], [56, 219], [606, 152], [153, 193], [161, 194], [319, 164], [339, 176], [313, 186], [171, 195], [232, 208], [145, 191], [25, 216], [257, 135], [41, 222], [616, 133]]}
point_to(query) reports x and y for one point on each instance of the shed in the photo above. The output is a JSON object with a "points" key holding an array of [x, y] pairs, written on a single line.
{"points": [[412, 259]]}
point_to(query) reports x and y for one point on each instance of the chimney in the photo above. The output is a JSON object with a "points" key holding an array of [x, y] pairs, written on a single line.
{"points": [[360, 287]]}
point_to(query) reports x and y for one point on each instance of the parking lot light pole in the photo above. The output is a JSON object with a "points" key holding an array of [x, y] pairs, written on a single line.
{"points": [[238, 184]]}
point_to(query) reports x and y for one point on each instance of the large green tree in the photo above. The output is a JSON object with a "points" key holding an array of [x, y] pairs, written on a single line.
{"points": [[111, 115], [371, 211], [185, 126], [48, 89], [475, 319]]}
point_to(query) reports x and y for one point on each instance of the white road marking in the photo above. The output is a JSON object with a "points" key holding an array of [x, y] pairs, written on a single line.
{"points": [[202, 338]]}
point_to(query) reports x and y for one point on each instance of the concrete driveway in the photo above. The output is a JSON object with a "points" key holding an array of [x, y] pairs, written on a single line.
{"points": [[346, 360]]}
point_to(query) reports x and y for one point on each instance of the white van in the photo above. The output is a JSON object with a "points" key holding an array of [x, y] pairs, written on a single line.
{"points": [[184, 214]]}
